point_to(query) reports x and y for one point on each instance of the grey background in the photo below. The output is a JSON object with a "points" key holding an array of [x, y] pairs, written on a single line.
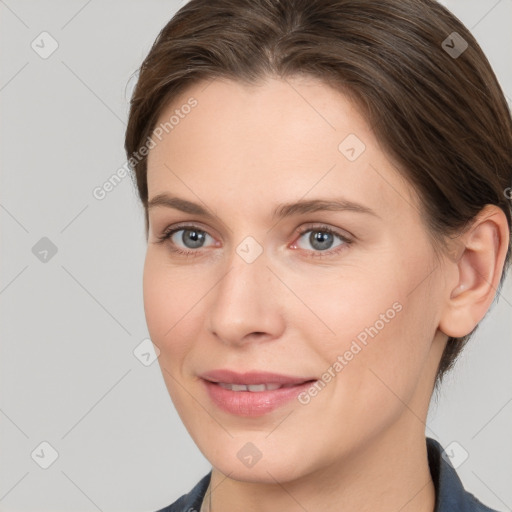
{"points": [[68, 374]]}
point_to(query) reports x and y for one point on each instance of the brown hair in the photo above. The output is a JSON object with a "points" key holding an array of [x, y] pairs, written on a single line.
{"points": [[441, 116]]}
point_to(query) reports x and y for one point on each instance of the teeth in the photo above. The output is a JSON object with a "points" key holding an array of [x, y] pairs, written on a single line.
{"points": [[271, 387], [254, 388]]}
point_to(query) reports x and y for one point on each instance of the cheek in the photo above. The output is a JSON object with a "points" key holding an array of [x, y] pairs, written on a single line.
{"points": [[159, 300], [172, 324], [168, 302], [379, 335], [357, 304]]}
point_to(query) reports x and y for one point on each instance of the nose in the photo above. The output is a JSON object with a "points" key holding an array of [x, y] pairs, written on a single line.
{"points": [[246, 304]]}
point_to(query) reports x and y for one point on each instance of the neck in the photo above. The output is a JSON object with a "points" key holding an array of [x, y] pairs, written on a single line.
{"points": [[390, 473]]}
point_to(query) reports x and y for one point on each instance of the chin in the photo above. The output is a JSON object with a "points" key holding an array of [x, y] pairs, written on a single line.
{"points": [[263, 472], [248, 458]]}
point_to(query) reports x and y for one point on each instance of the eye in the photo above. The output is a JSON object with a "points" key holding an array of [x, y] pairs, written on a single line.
{"points": [[185, 239], [189, 239], [322, 239]]}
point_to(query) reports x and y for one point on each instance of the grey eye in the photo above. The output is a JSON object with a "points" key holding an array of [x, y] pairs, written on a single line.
{"points": [[190, 238], [320, 239]]}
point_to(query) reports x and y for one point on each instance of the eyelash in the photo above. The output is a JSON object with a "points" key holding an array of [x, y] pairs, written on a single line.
{"points": [[168, 233]]}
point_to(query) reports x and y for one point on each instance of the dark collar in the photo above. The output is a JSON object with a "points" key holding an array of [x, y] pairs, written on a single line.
{"points": [[450, 493]]}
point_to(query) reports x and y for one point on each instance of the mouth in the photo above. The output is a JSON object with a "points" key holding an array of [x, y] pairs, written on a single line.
{"points": [[253, 393], [253, 388]]}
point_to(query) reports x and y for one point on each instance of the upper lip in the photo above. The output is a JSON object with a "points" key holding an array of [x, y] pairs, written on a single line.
{"points": [[252, 377]]}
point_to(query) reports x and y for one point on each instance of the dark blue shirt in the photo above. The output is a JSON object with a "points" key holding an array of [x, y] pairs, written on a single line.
{"points": [[450, 493]]}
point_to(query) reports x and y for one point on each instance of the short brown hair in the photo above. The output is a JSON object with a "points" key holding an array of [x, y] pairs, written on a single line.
{"points": [[441, 116]]}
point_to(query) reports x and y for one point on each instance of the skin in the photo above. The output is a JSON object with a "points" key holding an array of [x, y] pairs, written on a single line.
{"points": [[359, 445]]}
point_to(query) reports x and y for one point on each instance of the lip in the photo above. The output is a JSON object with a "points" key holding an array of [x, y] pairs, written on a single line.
{"points": [[249, 403]]}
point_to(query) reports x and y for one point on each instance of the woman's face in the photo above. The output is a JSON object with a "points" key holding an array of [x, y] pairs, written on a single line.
{"points": [[296, 250]]}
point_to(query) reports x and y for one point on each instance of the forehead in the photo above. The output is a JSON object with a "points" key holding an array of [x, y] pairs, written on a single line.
{"points": [[280, 140]]}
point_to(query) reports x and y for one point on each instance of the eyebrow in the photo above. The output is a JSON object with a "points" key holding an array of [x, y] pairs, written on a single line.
{"points": [[281, 211]]}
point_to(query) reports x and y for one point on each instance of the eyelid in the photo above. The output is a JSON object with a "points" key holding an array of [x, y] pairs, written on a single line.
{"points": [[170, 229], [343, 234]]}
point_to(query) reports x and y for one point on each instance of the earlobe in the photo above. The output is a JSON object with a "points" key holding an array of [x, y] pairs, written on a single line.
{"points": [[478, 270]]}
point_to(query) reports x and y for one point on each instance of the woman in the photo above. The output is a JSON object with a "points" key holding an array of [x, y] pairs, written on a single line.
{"points": [[325, 190]]}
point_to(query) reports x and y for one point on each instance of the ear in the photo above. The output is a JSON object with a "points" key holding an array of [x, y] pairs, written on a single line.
{"points": [[475, 263]]}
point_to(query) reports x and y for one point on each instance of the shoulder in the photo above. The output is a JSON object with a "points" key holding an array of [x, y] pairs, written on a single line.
{"points": [[450, 493], [190, 502]]}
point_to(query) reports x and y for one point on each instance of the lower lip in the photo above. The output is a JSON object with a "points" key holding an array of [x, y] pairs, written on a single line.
{"points": [[249, 403]]}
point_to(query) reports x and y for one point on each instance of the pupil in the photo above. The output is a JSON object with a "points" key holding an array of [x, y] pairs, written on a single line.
{"points": [[321, 240]]}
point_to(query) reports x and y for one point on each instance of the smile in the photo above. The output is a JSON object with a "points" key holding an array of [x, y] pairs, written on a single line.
{"points": [[253, 393]]}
